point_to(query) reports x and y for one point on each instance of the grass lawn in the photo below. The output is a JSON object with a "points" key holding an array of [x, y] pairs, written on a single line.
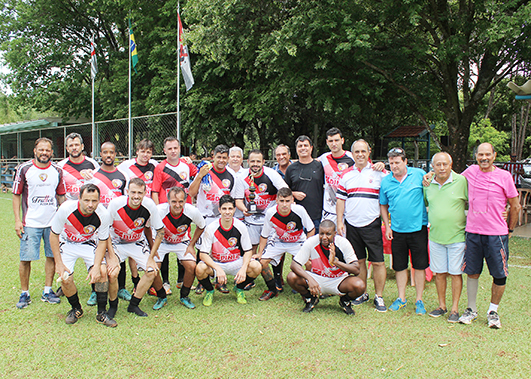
{"points": [[260, 339]]}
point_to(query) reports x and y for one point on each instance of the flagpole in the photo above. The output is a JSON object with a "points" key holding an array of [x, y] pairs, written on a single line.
{"points": [[93, 122], [130, 132], [178, 73]]}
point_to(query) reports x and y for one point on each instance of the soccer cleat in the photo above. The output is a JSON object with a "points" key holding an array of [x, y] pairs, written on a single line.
{"points": [[419, 308], [279, 284], [199, 289], [222, 288], [379, 304], [360, 299], [92, 301], [187, 302], [24, 301], [268, 295], [207, 300], [249, 286], [124, 294], [103, 318], [397, 304], [311, 302], [167, 287], [136, 310], [454, 317], [345, 305], [240, 296], [152, 291], [438, 312], [73, 315], [160, 303], [468, 316], [493, 319]]}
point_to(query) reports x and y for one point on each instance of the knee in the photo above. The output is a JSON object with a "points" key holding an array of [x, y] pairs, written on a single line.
{"points": [[150, 275], [255, 268], [189, 266], [291, 278], [200, 270], [378, 264]]}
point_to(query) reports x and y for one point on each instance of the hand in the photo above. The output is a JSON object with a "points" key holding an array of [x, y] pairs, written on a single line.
{"points": [[257, 256], [378, 166], [151, 265], [94, 274], [240, 276], [299, 195], [505, 215], [388, 234], [332, 257], [113, 263], [246, 213], [60, 269], [19, 228], [190, 250], [220, 274], [204, 170], [313, 287], [340, 228], [426, 179]]}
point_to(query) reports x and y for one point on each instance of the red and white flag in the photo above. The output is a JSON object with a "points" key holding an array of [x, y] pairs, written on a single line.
{"points": [[93, 61], [184, 59]]}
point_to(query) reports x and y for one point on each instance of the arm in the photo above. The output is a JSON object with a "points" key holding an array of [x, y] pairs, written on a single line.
{"points": [[19, 228], [313, 287], [351, 268], [242, 273], [149, 236], [378, 166], [299, 195], [197, 233], [514, 210], [241, 206], [340, 210], [310, 233], [193, 190], [60, 199], [155, 197], [384, 212], [60, 268], [261, 248], [220, 274], [151, 265], [113, 263], [426, 179], [95, 272]]}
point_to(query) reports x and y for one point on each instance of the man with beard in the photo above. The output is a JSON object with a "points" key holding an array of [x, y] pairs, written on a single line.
{"points": [[142, 166], [39, 188]]}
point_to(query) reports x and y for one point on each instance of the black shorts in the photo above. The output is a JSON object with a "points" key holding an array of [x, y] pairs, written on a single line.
{"points": [[367, 238], [495, 250], [417, 243]]}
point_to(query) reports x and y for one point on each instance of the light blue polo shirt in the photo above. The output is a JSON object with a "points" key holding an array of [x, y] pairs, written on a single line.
{"points": [[406, 201]]}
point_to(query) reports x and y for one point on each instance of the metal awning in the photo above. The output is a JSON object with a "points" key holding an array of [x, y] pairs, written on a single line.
{"points": [[27, 125]]}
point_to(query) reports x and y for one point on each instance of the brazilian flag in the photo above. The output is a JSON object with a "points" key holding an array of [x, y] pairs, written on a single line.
{"points": [[132, 46]]}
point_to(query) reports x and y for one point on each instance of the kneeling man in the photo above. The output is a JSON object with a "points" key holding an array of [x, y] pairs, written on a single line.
{"points": [[332, 260]]}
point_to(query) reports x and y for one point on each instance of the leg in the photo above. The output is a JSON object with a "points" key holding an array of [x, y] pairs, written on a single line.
{"points": [[298, 284], [24, 270], [420, 280], [457, 287], [440, 284], [352, 286], [380, 275], [268, 277], [363, 270], [496, 293], [401, 282], [49, 270]]}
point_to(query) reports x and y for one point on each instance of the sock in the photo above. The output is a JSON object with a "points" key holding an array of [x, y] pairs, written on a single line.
{"points": [[135, 280], [135, 301], [93, 287], [47, 289], [493, 307], [180, 275], [207, 284], [277, 270], [345, 298], [472, 293], [113, 308], [24, 292], [121, 276], [161, 293], [245, 282], [165, 269], [74, 301], [271, 286], [102, 301], [185, 291], [306, 295], [113, 303]]}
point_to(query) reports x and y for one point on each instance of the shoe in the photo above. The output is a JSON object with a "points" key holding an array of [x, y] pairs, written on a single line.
{"points": [[124, 294], [454, 317], [493, 320], [360, 299], [73, 315], [207, 300], [438, 312], [103, 318], [324, 296], [179, 285], [379, 304], [311, 302], [93, 300], [50, 297], [397, 304], [187, 302], [222, 288], [199, 289], [24, 301], [419, 307], [136, 310], [167, 287], [160, 303], [468, 316], [345, 305], [59, 292], [268, 295], [152, 291], [279, 285], [240, 295], [249, 286]]}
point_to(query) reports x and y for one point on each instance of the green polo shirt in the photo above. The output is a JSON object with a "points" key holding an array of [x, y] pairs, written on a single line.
{"points": [[447, 209]]}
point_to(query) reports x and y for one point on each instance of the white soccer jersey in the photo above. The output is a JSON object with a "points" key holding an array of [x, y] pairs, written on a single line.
{"points": [[72, 175], [360, 190], [177, 229], [112, 184], [334, 169], [219, 184], [289, 228], [319, 255], [128, 224], [132, 169], [226, 245], [38, 188], [74, 226]]}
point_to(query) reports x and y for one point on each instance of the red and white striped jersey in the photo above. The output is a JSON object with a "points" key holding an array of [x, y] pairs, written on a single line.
{"points": [[168, 176], [334, 169], [289, 228], [132, 169], [219, 184], [177, 229], [226, 245], [74, 226], [72, 175], [112, 184]]}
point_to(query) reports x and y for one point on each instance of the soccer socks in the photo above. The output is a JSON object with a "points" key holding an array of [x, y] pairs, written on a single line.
{"points": [[472, 292], [113, 308], [165, 269], [135, 280], [181, 271], [101, 298], [121, 276], [185, 291], [245, 282], [133, 307], [493, 307], [271, 286], [161, 293], [74, 301], [207, 285]]}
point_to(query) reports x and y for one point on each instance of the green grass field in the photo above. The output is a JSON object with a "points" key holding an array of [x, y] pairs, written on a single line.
{"points": [[260, 339]]}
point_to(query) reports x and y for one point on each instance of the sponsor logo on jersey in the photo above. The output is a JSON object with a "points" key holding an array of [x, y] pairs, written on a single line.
{"points": [[262, 187], [43, 200], [226, 183], [148, 175], [43, 177], [183, 175], [232, 241], [117, 183], [139, 222], [182, 228], [291, 225], [89, 229]]}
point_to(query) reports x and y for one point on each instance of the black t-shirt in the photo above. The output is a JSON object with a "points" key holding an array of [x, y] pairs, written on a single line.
{"points": [[308, 178]]}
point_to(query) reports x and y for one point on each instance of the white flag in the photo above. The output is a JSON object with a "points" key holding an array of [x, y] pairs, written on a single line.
{"points": [[184, 59], [93, 61]]}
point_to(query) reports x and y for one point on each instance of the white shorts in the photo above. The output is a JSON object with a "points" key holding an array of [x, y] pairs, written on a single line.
{"points": [[178, 248], [329, 286], [274, 251], [254, 232], [447, 258], [70, 252], [230, 268], [138, 250]]}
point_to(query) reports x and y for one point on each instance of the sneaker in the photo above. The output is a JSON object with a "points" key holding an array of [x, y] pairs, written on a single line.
{"points": [[493, 320], [152, 291], [345, 305], [160, 303], [268, 295], [397, 304], [454, 317], [136, 310], [103, 318], [93, 300], [438, 312], [50, 297], [73, 315], [167, 287], [311, 302], [249, 286], [24, 301], [207, 300], [124, 294], [419, 307], [222, 288], [199, 289], [379, 304], [187, 302], [468, 316], [240, 295], [360, 299]]}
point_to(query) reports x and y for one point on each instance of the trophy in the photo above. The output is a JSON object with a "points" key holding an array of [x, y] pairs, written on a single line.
{"points": [[251, 207]]}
